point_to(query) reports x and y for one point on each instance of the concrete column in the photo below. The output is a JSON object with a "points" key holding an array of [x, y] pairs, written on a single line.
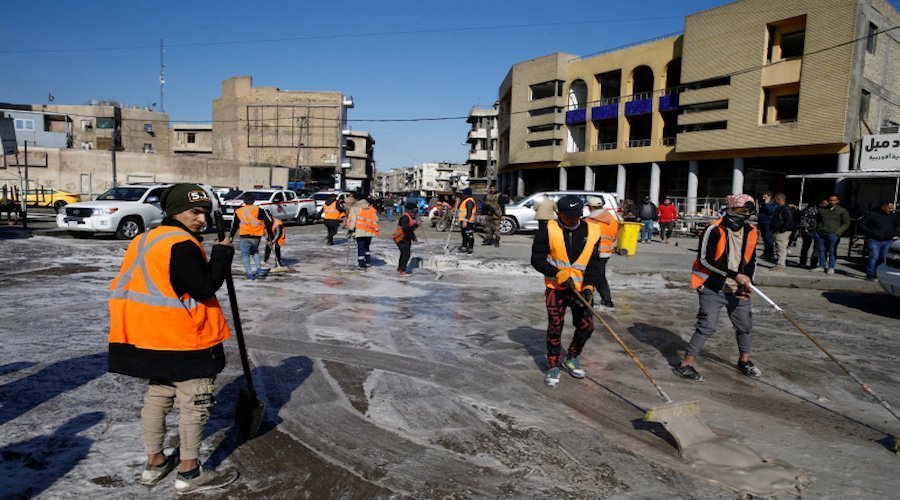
{"points": [[843, 165], [563, 179], [520, 183], [620, 183], [588, 178], [693, 172], [737, 178], [654, 183]]}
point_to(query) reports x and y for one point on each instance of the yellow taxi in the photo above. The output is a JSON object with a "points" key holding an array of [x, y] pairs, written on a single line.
{"points": [[47, 197]]}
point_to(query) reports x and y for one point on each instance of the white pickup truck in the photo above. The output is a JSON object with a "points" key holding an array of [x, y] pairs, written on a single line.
{"points": [[281, 204]]}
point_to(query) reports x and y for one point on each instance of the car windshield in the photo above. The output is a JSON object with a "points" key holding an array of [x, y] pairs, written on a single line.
{"points": [[257, 195], [230, 195], [123, 194], [322, 196]]}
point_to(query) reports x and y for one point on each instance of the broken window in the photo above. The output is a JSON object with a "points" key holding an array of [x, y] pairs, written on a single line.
{"points": [[543, 90]]}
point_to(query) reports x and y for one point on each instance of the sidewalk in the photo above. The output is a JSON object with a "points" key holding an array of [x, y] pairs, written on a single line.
{"points": [[672, 262]]}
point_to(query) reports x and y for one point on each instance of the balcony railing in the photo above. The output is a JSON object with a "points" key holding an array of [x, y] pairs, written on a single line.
{"points": [[607, 111], [668, 102], [576, 116], [639, 104], [637, 143], [605, 146], [667, 141]]}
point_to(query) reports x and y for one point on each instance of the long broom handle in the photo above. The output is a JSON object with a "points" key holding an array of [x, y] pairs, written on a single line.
{"points": [[865, 386], [236, 315], [634, 357]]}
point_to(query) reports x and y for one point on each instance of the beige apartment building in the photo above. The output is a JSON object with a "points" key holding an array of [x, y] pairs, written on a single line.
{"points": [[192, 138], [752, 91], [482, 140], [359, 163], [297, 129]]}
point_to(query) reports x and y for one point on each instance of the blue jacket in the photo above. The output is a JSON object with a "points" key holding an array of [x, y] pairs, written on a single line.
{"points": [[766, 211]]}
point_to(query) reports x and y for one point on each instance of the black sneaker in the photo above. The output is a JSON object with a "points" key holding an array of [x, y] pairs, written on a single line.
{"points": [[607, 303], [687, 372], [749, 369]]}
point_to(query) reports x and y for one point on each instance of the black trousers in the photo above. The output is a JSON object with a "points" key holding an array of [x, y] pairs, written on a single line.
{"points": [[332, 227], [363, 255], [405, 252], [277, 248], [468, 236], [602, 284]]}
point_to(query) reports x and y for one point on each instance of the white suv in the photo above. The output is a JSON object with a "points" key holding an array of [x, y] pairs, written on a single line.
{"points": [[126, 210], [520, 216]]}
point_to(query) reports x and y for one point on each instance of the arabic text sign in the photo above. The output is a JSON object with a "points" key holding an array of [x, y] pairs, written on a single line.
{"points": [[880, 152]]}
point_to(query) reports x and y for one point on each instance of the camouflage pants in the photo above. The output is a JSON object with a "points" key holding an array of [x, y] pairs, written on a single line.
{"points": [[492, 228]]}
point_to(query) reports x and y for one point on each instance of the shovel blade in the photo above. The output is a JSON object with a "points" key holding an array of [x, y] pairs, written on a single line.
{"points": [[248, 413], [682, 421]]}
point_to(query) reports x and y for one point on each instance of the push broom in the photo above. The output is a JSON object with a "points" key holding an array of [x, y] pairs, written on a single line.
{"points": [[894, 444], [681, 420]]}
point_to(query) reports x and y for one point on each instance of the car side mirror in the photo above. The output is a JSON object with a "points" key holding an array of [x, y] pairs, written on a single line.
{"points": [[152, 199]]}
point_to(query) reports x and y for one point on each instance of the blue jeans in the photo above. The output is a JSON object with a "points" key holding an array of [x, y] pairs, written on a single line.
{"points": [[878, 251], [768, 240], [250, 248], [827, 244], [389, 213], [647, 230]]}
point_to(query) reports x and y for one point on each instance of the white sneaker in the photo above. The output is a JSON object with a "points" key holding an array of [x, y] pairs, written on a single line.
{"points": [[153, 474], [552, 378], [207, 480], [830, 271], [816, 269]]}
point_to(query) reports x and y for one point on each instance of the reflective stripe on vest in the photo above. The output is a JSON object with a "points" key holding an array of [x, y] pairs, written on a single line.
{"points": [[277, 225], [461, 213], [559, 257], [608, 235], [330, 211], [700, 273], [144, 310], [248, 215], [367, 220]]}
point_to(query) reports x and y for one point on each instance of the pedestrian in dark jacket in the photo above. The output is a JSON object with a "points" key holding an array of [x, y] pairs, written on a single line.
{"points": [[763, 219], [808, 233], [404, 235], [167, 327], [881, 227], [648, 213], [783, 222], [831, 222]]}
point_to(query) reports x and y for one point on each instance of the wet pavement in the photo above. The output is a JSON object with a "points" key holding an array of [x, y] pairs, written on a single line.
{"points": [[378, 386]]}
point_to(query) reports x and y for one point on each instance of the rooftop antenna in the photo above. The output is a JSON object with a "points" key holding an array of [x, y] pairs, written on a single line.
{"points": [[162, 76]]}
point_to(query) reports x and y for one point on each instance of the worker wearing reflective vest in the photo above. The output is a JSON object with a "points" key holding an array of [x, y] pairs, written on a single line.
{"points": [[608, 223], [276, 243], [363, 223], [166, 326], [252, 223], [332, 212], [466, 213], [722, 275], [404, 235], [566, 252]]}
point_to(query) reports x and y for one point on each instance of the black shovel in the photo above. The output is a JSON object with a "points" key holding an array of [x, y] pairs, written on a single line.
{"points": [[248, 413]]}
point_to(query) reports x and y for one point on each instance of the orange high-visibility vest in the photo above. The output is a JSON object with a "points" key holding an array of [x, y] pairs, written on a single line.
{"points": [[559, 258], [461, 213], [276, 225], [609, 231], [248, 215], [367, 220], [699, 273], [143, 308], [330, 211]]}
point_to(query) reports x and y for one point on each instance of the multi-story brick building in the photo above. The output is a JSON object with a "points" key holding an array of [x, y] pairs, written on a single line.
{"points": [[482, 139], [359, 165], [751, 92], [296, 129]]}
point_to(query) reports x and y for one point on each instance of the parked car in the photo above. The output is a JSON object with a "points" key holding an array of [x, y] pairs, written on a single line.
{"points": [[888, 274], [56, 198], [520, 215], [126, 210], [279, 203]]}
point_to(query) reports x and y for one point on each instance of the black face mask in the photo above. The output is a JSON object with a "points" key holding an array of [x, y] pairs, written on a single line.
{"points": [[735, 221]]}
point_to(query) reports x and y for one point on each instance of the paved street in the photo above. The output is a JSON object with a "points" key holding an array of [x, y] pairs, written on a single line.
{"points": [[377, 386]]}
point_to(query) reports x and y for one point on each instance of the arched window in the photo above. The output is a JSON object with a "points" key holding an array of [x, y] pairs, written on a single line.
{"points": [[350, 145]]}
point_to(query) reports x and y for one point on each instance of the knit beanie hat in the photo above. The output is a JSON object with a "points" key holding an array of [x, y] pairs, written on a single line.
{"points": [[181, 197], [467, 191]]}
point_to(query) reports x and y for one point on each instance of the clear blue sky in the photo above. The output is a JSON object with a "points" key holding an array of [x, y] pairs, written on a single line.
{"points": [[442, 72]]}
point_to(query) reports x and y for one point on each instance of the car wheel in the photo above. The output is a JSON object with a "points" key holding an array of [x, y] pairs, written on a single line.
{"points": [[441, 225], [302, 218], [129, 228], [508, 225], [58, 205]]}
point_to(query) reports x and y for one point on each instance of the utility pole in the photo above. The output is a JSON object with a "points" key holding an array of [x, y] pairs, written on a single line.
{"points": [[162, 76], [25, 192], [491, 175], [117, 117]]}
